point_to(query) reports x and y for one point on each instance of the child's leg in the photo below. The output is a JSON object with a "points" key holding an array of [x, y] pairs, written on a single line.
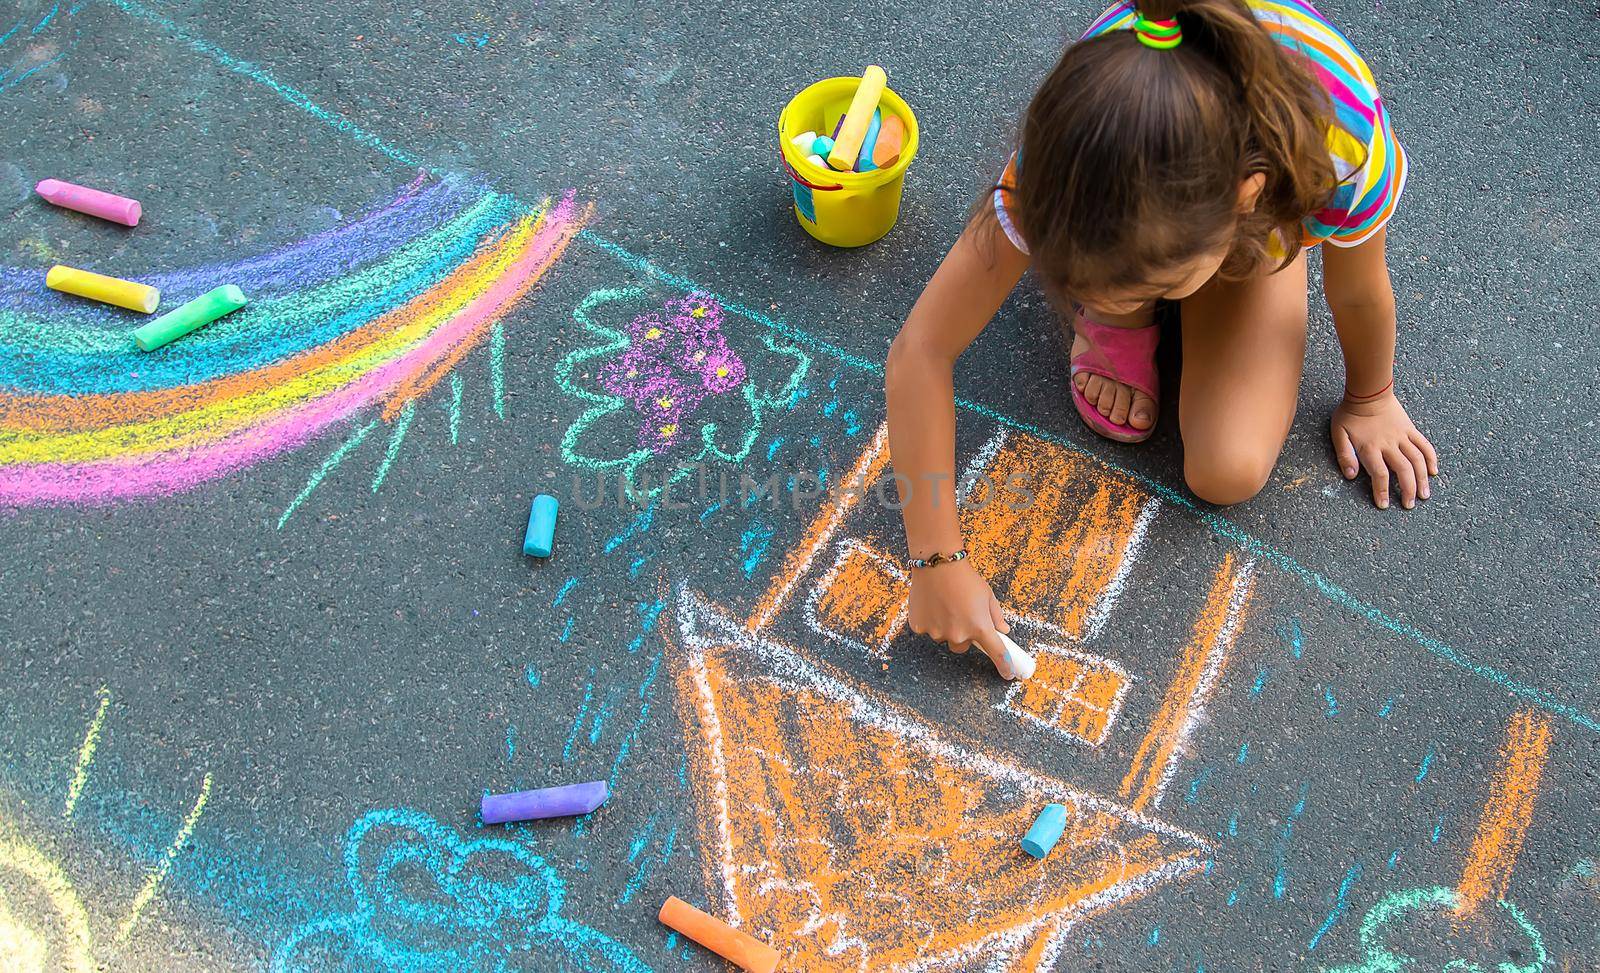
{"points": [[1243, 345]]}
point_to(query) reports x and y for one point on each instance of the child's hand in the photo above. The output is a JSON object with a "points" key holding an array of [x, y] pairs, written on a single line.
{"points": [[1383, 439], [951, 603]]}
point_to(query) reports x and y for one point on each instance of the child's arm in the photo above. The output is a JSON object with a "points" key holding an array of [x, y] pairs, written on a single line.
{"points": [[1370, 428], [951, 603]]}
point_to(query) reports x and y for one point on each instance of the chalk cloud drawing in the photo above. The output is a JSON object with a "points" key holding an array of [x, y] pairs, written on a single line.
{"points": [[672, 381], [363, 319], [428, 900], [1404, 917]]}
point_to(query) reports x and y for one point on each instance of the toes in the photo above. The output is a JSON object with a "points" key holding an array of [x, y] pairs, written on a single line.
{"points": [[1121, 403], [1143, 413], [1091, 390], [1108, 397]]}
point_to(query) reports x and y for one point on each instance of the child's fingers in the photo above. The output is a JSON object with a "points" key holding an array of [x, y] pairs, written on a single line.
{"points": [[1345, 453], [993, 647], [1405, 476], [1419, 465], [1427, 450], [1372, 459], [998, 616]]}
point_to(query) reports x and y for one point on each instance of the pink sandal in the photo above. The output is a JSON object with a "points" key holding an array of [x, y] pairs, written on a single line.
{"points": [[1126, 355]]}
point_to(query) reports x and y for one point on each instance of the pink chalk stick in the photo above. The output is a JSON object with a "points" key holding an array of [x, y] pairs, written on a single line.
{"points": [[95, 202]]}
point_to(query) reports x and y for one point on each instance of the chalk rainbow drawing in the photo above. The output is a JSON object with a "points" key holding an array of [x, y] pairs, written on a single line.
{"points": [[671, 377], [367, 316]]}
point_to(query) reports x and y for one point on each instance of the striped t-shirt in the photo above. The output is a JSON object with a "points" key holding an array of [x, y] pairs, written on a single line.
{"points": [[1368, 162]]}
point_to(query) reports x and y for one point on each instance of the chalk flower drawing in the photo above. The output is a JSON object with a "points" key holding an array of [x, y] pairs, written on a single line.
{"points": [[673, 362], [427, 900], [674, 376]]}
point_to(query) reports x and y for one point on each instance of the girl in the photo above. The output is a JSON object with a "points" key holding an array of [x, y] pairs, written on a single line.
{"points": [[1185, 151]]}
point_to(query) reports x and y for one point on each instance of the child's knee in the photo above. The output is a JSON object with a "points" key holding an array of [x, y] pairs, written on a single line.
{"points": [[1226, 476]]}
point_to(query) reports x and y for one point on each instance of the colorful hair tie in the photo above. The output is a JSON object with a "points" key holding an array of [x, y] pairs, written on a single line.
{"points": [[1160, 34]]}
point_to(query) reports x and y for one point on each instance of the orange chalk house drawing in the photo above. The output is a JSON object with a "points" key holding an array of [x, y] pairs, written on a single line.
{"points": [[853, 833], [861, 600], [1075, 694], [1056, 554], [1199, 669]]}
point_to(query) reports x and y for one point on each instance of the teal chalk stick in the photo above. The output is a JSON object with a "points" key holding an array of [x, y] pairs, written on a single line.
{"points": [[201, 311], [864, 161], [1046, 830], [541, 526]]}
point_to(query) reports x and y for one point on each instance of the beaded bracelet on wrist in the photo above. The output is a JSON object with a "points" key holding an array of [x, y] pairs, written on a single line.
{"points": [[934, 560]]}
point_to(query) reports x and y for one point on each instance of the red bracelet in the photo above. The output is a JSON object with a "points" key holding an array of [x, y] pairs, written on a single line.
{"points": [[1367, 398]]}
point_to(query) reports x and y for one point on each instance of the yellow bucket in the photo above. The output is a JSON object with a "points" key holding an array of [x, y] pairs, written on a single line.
{"points": [[845, 209]]}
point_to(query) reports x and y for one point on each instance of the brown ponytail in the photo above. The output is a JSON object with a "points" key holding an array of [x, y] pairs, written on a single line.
{"points": [[1132, 157]]}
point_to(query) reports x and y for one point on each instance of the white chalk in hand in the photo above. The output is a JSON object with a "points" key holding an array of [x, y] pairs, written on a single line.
{"points": [[1022, 664]]}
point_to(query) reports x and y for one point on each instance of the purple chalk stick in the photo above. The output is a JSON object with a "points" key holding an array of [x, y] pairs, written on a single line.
{"points": [[548, 802]]}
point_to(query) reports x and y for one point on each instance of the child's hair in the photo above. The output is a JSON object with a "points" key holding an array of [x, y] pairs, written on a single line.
{"points": [[1132, 156]]}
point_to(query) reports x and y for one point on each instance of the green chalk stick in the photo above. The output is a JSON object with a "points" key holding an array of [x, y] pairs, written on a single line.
{"points": [[202, 310]]}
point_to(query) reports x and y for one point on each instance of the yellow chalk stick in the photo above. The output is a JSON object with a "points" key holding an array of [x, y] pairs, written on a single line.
{"points": [[847, 144], [99, 287]]}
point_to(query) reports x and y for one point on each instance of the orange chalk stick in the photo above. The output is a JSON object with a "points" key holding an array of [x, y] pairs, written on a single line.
{"points": [[745, 952], [891, 139]]}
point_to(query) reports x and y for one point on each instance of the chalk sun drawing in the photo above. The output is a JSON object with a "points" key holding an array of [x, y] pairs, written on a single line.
{"points": [[428, 900], [44, 920], [55, 933], [364, 318], [677, 379]]}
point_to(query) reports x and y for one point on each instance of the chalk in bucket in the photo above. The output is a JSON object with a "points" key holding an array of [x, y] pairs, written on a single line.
{"points": [[845, 209]]}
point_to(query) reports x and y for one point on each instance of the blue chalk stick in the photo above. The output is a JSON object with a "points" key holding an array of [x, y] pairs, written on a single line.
{"points": [[868, 143], [1046, 831], [541, 527]]}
